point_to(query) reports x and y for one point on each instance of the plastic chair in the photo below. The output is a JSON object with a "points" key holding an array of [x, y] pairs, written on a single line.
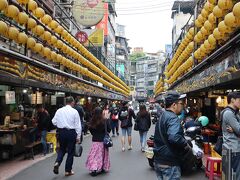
{"points": [[209, 171]]}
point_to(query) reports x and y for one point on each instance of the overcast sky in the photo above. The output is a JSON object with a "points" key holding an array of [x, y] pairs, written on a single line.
{"points": [[148, 22]]}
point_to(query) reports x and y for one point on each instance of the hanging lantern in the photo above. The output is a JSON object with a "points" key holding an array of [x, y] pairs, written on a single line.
{"points": [[216, 33], [12, 11], [212, 40], [64, 48], [217, 12], [225, 4], [59, 44], [38, 48], [230, 20], [13, 33], [204, 31], [212, 19], [3, 28], [207, 45], [46, 19], [204, 13], [59, 29], [47, 35], [197, 23], [208, 7], [31, 23], [3, 5], [212, 1], [22, 18], [64, 33], [223, 28], [46, 52], [236, 10], [32, 5], [31, 42], [39, 30], [39, 12], [22, 38], [53, 56], [208, 26], [23, 1], [59, 58], [53, 24], [53, 40]]}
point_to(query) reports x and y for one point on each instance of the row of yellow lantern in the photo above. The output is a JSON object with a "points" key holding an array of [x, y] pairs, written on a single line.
{"points": [[22, 18], [159, 84], [221, 33], [21, 38]]}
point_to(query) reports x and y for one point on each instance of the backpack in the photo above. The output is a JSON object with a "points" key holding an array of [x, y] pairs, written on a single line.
{"points": [[124, 118]]}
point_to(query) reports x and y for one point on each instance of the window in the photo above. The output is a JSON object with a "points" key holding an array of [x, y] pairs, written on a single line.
{"points": [[150, 83]]}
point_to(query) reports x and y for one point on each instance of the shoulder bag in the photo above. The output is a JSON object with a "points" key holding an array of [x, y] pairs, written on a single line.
{"points": [[107, 141], [78, 150]]}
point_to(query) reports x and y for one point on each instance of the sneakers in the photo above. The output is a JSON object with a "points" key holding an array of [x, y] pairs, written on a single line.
{"points": [[130, 147], [55, 168], [117, 133], [143, 149], [69, 173], [113, 135], [123, 149]]}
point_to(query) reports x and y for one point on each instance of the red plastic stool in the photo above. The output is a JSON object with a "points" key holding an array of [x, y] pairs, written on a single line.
{"points": [[210, 172]]}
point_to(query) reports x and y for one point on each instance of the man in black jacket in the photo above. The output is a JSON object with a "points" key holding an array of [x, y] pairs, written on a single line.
{"points": [[169, 141]]}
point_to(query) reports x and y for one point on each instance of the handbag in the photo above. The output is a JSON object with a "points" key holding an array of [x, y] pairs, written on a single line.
{"points": [[78, 150], [107, 141], [218, 145], [136, 127]]}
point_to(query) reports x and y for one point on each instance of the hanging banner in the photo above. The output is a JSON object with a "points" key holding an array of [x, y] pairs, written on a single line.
{"points": [[88, 12], [104, 22], [90, 37]]}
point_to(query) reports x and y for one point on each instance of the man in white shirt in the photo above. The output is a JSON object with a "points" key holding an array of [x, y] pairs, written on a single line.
{"points": [[69, 126]]}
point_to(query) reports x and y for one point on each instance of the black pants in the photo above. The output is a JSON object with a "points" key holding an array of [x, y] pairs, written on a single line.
{"points": [[67, 141]]}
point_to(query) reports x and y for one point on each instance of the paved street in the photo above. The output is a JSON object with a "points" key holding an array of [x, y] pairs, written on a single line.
{"points": [[128, 165]]}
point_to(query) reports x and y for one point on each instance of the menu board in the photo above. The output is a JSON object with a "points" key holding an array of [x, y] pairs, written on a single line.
{"points": [[10, 97]]}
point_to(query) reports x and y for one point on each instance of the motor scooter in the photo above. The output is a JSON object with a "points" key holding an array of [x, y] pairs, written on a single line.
{"points": [[149, 151]]}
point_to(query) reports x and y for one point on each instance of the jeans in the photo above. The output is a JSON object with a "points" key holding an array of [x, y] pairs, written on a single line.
{"points": [[67, 140], [167, 172], [114, 124], [127, 131], [236, 164], [44, 141], [143, 138]]}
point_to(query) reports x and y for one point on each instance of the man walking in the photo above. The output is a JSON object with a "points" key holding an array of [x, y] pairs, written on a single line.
{"points": [[231, 130], [69, 127], [169, 141]]}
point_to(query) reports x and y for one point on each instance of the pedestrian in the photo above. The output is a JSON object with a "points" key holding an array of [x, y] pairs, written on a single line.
{"points": [[231, 130], [169, 142], [114, 119], [43, 124], [81, 113], [125, 116], [106, 112], [143, 121], [69, 127], [98, 160]]}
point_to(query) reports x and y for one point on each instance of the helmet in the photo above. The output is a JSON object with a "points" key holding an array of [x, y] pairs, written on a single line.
{"points": [[203, 120]]}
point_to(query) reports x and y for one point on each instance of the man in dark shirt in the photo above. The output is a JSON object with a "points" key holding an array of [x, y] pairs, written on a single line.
{"points": [[43, 124]]}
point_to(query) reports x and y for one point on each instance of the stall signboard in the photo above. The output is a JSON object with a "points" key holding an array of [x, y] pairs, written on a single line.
{"points": [[88, 12], [10, 97], [91, 37]]}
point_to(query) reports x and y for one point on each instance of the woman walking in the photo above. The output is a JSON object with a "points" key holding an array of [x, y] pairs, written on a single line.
{"points": [[98, 158], [143, 121]]}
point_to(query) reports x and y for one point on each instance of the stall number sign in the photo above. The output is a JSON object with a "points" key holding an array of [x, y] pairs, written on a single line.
{"points": [[10, 97]]}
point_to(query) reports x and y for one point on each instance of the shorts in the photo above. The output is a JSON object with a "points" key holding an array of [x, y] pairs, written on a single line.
{"points": [[127, 131]]}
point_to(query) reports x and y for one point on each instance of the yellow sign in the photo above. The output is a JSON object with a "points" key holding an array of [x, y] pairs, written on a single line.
{"points": [[96, 38], [88, 12]]}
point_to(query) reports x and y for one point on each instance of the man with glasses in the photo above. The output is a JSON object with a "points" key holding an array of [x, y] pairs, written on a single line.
{"points": [[169, 141]]}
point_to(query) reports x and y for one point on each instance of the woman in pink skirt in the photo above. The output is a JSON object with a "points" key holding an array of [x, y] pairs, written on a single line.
{"points": [[98, 158]]}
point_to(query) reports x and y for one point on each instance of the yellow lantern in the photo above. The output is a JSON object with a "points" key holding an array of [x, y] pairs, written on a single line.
{"points": [[64, 33], [208, 7], [46, 52], [22, 18], [22, 38], [3, 28], [46, 19], [53, 24], [47, 36], [223, 28], [3, 4], [200, 18], [31, 42], [207, 45], [59, 58], [225, 4], [64, 48], [230, 20], [38, 48], [23, 1], [39, 30], [212, 1], [197, 23], [12, 11], [200, 36], [32, 5], [236, 10], [31, 23], [204, 31], [59, 44], [39, 12], [208, 26], [212, 40], [53, 40], [59, 29], [212, 19], [216, 33], [217, 12], [53, 56], [13, 33], [204, 13]]}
